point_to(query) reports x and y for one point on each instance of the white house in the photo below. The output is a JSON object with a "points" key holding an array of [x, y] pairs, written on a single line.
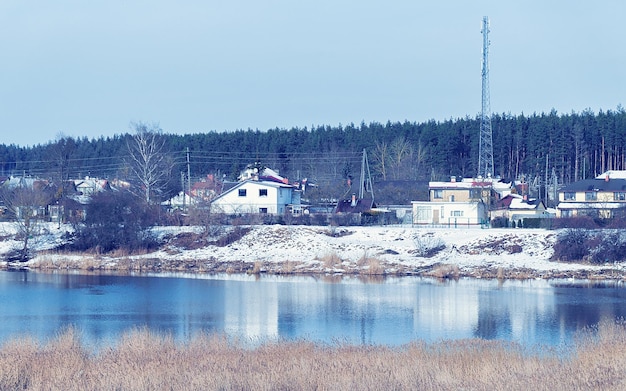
{"points": [[451, 214], [252, 196]]}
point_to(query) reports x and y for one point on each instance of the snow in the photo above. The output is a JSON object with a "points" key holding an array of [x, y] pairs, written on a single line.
{"points": [[397, 247]]}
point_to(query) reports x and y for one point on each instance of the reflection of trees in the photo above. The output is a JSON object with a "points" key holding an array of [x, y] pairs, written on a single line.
{"points": [[589, 305], [489, 323]]}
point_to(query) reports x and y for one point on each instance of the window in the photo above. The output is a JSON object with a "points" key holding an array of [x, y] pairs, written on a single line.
{"points": [[438, 193], [591, 196], [456, 213], [567, 213], [619, 196], [242, 192], [424, 214], [476, 194], [262, 192], [262, 210], [569, 196]]}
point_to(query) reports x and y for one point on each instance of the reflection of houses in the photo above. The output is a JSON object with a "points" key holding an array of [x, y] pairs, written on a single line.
{"points": [[603, 196], [454, 203]]}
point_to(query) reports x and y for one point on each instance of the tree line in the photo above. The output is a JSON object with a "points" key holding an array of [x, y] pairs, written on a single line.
{"points": [[574, 146]]}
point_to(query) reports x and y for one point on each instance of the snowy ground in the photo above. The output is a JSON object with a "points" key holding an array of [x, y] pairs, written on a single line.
{"points": [[508, 253]]}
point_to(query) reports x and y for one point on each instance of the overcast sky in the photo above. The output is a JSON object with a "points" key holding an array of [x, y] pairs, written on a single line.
{"points": [[88, 68]]}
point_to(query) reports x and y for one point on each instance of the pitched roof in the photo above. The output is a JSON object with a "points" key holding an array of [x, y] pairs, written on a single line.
{"points": [[360, 206], [596, 185], [256, 183], [517, 202]]}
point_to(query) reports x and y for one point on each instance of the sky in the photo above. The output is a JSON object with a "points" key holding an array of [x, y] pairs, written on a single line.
{"points": [[91, 68]]}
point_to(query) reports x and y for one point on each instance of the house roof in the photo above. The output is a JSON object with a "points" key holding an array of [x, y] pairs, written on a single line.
{"points": [[254, 183], [182, 198], [471, 183], [360, 206], [517, 202], [596, 185], [613, 174], [591, 205]]}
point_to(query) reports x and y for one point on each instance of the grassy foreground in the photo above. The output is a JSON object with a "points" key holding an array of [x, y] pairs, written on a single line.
{"points": [[145, 361]]}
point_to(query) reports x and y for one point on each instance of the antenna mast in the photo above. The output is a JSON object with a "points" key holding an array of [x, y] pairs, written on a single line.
{"points": [[485, 148], [366, 178]]}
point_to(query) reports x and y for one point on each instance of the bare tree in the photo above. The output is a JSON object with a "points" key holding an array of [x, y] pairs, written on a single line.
{"points": [[62, 151], [381, 158], [27, 206], [148, 158], [400, 151]]}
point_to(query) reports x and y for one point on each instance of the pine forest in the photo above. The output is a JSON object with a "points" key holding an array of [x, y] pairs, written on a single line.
{"points": [[566, 147]]}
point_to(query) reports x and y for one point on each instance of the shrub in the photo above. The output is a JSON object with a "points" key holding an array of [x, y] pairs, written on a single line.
{"points": [[611, 247], [428, 245], [116, 220], [231, 236], [571, 245], [534, 222], [585, 222], [500, 222]]}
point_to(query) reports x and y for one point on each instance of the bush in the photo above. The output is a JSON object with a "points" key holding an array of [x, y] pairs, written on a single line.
{"points": [[536, 222], [571, 245], [500, 222], [598, 247], [611, 247], [428, 245], [585, 222], [116, 220]]}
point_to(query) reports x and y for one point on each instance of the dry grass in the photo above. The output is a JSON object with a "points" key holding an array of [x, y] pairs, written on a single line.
{"points": [[370, 265], [289, 267], [331, 260], [257, 268], [445, 271], [145, 361]]}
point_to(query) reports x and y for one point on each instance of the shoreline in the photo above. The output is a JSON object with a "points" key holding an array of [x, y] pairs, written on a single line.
{"points": [[378, 251], [437, 271]]}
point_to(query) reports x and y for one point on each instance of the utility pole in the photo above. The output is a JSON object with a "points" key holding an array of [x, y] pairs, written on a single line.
{"points": [[485, 147], [188, 176], [182, 184]]}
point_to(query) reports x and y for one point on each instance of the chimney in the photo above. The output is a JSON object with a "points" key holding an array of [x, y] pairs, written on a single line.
{"points": [[353, 204], [606, 178], [453, 179]]}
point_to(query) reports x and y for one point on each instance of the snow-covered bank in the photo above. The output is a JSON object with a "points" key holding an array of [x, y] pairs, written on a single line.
{"points": [[506, 253]]}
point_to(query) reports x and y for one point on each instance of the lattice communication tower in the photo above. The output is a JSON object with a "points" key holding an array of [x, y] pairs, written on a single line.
{"points": [[485, 147]]}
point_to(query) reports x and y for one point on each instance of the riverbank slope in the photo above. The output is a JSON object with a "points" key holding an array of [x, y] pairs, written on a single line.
{"points": [[438, 252]]}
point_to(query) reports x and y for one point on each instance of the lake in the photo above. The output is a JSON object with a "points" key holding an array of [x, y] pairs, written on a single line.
{"points": [[390, 311]]}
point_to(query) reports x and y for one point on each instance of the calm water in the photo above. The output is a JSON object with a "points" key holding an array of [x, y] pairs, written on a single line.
{"points": [[392, 311]]}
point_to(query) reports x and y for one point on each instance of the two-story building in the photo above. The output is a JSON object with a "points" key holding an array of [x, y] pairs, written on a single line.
{"points": [[604, 196], [455, 203], [265, 197]]}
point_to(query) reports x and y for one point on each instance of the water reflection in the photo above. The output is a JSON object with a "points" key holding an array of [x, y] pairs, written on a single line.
{"points": [[390, 311]]}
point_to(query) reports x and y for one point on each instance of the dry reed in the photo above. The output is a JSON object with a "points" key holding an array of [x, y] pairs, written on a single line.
{"points": [[145, 361], [331, 260]]}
